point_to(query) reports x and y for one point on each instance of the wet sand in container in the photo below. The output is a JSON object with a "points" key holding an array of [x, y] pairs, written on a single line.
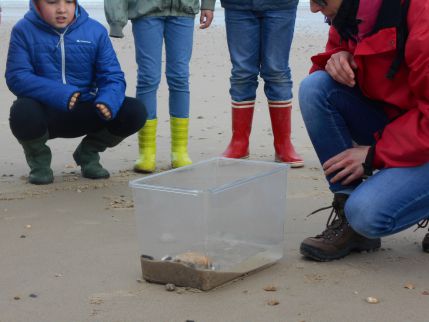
{"points": [[181, 274]]}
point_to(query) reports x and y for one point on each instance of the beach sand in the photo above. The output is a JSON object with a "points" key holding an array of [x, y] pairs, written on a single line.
{"points": [[69, 250]]}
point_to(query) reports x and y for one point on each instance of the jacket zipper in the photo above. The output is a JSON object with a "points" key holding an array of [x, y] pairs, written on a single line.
{"points": [[63, 55], [63, 59]]}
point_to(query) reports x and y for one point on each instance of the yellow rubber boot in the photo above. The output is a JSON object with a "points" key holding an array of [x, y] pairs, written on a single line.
{"points": [[146, 162], [179, 142]]}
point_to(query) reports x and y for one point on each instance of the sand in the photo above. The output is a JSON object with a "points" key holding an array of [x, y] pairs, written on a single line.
{"points": [[69, 251]]}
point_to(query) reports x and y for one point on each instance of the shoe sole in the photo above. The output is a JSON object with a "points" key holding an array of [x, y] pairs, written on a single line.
{"points": [[297, 164], [143, 171], [48, 179], [244, 157], [41, 183], [317, 255], [96, 177]]}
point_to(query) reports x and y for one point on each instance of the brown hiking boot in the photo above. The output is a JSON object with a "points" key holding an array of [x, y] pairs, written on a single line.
{"points": [[425, 242], [338, 239]]}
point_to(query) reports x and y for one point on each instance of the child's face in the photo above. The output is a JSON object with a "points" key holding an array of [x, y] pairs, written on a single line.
{"points": [[57, 13]]}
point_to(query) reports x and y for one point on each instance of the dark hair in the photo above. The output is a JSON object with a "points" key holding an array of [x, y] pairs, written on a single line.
{"points": [[345, 21]]}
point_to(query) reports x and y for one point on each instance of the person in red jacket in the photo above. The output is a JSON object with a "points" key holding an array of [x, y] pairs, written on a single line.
{"points": [[366, 108]]}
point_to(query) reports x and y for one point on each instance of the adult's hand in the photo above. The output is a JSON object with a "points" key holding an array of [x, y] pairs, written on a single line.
{"points": [[206, 18], [73, 100], [348, 164], [104, 110], [341, 67]]}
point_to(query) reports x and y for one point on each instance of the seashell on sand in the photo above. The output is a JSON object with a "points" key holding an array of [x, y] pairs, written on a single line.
{"points": [[372, 300], [194, 259]]}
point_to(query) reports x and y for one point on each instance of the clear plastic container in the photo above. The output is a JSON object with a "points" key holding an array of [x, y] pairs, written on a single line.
{"points": [[230, 212]]}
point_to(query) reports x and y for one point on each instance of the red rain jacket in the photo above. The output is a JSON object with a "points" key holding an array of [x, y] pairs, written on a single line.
{"points": [[404, 142]]}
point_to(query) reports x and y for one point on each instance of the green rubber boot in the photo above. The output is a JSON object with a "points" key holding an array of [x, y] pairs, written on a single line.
{"points": [[87, 153], [38, 156]]}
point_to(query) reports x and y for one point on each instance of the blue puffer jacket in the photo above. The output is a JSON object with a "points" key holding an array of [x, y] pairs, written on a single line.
{"points": [[259, 5], [50, 65]]}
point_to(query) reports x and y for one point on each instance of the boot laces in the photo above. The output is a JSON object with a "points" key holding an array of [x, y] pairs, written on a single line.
{"points": [[335, 221], [422, 224]]}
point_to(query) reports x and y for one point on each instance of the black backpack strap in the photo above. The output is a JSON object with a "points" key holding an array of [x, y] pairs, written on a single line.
{"points": [[401, 38]]}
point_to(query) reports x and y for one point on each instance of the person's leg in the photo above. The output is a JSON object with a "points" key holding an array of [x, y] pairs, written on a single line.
{"points": [[28, 122], [178, 35], [243, 31], [335, 117], [148, 35], [33, 124], [130, 118], [101, 134], [389, 201], [27, 119], [81, 120], [277, 33], [84, 119], [148, 38]]}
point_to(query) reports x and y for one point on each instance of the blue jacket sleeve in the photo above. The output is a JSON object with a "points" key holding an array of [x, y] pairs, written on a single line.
{"points": [[109, 77], [24, 82]]}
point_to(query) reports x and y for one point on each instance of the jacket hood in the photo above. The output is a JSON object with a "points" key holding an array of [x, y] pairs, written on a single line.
{"points": [[34, 16]]}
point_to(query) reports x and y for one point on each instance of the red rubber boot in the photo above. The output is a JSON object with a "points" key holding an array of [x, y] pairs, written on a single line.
{"points": [[242, 115], [280, 113]]}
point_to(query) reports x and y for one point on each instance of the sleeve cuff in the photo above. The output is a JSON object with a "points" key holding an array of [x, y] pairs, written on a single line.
{"points": [[368, 168], [116, 30], [377, 163], [208, 5]]}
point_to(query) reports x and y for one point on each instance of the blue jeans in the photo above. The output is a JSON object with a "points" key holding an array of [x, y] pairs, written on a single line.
{"points": [[336, 116], [259, 44], [149, 34]]}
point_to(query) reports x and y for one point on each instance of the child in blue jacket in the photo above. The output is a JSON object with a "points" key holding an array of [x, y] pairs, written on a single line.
{"points": [[62, 67]]}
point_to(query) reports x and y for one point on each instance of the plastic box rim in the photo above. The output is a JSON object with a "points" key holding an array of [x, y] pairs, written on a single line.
{"points": [[136, 183]]}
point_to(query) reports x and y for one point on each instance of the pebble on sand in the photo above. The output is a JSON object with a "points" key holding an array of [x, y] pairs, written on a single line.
{"points": [[372, 300], [273, 302], [170, 287], [270, 288]]}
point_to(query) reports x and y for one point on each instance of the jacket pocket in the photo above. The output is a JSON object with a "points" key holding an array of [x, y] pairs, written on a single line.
{"points": [[138, 8], [190, 7]]}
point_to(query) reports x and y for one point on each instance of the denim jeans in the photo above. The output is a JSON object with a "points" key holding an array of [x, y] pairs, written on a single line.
{"points": [[259, 44], [336, 116], [149, 34]]}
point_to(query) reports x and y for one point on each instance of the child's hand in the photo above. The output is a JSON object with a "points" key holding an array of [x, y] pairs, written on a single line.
{"points": [[206, 18], [73, 100], [105, 111]]}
